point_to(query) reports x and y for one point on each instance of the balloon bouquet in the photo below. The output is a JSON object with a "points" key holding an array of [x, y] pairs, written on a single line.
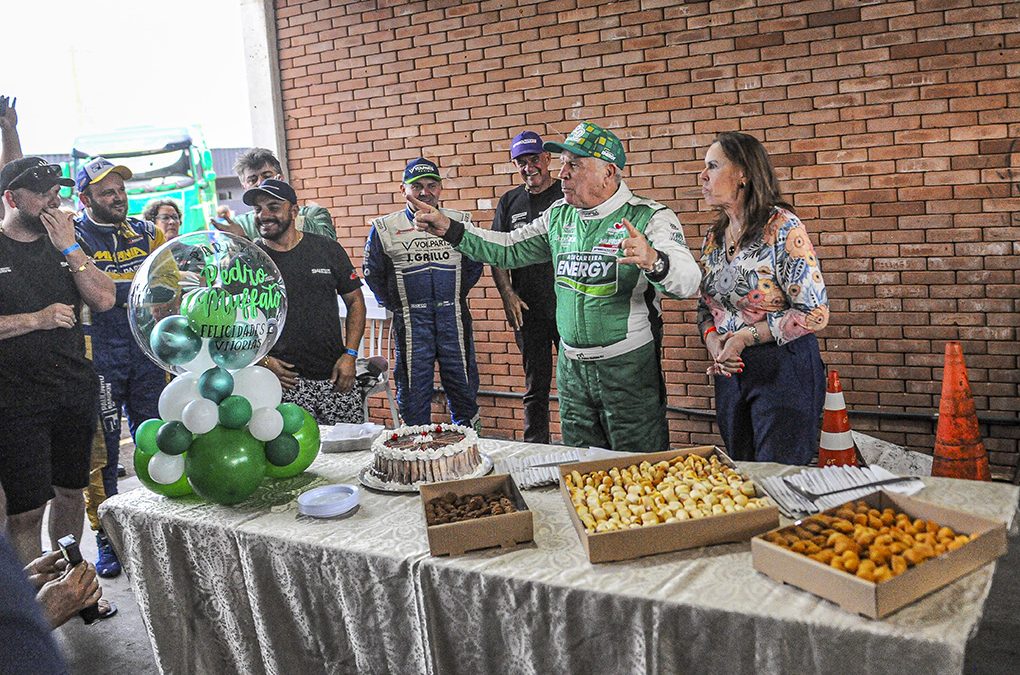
{"points": [[206, 306]]}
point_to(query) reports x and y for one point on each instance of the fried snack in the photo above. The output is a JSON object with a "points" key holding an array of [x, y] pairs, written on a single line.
{"points": [[669, 491], [875, 545]]}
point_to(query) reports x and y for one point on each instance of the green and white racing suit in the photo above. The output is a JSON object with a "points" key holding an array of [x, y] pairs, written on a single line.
{"points": [[608, 372]]}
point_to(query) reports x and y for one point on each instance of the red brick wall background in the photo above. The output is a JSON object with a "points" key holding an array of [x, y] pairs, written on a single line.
{"points": [[893, 126]]}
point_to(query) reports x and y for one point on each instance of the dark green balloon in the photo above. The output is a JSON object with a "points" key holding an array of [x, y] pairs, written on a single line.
{"points": [[173, 342], [179, 488], [226, 466], [282, 450], [308, 442], [173, 438], [145, 435], [216, 384], [235, 411], [293, 417]]}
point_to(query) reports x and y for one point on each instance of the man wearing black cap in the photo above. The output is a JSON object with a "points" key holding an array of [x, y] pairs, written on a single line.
{"points": [[529, 300], [128, 379], [314, 361], [48, 389], [424, 281]]}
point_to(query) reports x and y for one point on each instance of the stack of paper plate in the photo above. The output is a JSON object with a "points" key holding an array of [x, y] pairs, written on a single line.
{"points": [[329, 500]]}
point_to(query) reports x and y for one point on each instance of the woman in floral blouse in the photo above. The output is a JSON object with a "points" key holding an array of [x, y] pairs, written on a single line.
{"points": [[762, 301]]}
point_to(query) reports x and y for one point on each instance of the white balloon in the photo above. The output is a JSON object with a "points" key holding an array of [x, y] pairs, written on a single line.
{"points": [[202, 362], [180, 392], [200, 416], [266, 424], [166, 469], [259, 385]]}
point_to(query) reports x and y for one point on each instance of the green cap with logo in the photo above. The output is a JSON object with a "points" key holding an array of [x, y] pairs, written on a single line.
{"points": [[590, 140]]}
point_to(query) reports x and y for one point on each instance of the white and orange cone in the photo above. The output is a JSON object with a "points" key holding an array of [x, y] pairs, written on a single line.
{"points": [[836, 445]]}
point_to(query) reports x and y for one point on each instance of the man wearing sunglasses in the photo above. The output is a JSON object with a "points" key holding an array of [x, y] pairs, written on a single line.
{"points": [[129, 380], [48, 388], [527, 292]]}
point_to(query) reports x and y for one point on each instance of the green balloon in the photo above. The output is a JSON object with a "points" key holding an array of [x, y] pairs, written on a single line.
{"points": [[235, 411], [173, 438], [225, 466], [178, 488], [282, 450], [209, 311], [145, 435], [216, 384], [234, 354], [293, 417], [308, 443], [173, 342]]}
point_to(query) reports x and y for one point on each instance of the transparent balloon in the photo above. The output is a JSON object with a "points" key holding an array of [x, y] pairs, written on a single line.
{"points": [[210, 290]]}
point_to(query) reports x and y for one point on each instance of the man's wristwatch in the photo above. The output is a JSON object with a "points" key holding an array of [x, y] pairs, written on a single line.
{"points": [[658, 267]]}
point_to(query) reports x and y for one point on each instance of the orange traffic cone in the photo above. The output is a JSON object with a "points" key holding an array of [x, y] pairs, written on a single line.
{"points": [[959, 452], [836, 445]]}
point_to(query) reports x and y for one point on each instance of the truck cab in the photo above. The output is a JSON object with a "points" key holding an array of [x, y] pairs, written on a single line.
{"points": [[166, 162]]}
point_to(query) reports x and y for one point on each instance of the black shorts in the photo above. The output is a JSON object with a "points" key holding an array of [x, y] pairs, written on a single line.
{"points": [[45, 446]]}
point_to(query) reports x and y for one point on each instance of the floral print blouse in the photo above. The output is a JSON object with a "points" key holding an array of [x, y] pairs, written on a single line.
{"points": [[776, 279]]}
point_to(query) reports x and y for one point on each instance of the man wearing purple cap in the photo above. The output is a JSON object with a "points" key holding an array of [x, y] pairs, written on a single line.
{"points": [[48, 388], [527, 292], [314, 361]]}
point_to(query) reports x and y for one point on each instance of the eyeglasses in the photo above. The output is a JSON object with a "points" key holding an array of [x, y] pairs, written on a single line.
{"points": [[168, 218], [36, 174]]}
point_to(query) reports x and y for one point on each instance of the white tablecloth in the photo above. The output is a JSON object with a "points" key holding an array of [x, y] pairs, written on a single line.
{"points": [[259, 588]]}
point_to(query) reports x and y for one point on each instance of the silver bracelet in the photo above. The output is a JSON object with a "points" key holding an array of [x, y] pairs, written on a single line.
{"points": [[754, 334]]}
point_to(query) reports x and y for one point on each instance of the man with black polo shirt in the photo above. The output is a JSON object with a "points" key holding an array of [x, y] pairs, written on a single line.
{"points": [[314, 361], [48, 389], [527, 292]]}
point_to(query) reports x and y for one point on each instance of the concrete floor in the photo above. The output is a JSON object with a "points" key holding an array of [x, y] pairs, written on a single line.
{"points": [[121, 645]]}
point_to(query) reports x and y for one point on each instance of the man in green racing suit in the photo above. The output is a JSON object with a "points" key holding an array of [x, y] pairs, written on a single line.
{"points": [[614, 255]]}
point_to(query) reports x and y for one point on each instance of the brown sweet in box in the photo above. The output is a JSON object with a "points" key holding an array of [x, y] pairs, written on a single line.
{"points": [[451, 508], [875, 545]]}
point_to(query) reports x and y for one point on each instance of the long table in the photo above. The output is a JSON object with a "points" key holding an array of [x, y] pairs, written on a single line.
{"points": [[259, 588]]}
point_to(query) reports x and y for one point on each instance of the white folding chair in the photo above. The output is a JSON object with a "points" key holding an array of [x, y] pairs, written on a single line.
{"points": [[375, 345]]}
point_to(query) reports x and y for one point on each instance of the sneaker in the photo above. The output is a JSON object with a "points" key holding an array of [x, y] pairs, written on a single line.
{"points": [[107, 564], [121, 471]]}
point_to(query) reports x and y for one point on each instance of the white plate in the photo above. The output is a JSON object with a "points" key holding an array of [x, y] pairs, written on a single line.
{"points": [[329, 500], [370, 481]]}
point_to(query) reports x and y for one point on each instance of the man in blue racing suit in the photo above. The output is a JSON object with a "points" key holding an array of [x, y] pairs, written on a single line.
{"points": [[127, 378], [424, 281]]}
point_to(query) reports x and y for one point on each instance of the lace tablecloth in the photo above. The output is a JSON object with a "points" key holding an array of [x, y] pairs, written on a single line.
{"points": [[258, 588]]}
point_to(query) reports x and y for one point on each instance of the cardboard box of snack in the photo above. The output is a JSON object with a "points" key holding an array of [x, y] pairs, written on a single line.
{"points": [[877, 600], [664, 537], [505, 530]]}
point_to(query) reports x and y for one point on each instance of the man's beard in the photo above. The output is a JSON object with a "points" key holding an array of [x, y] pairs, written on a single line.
{"points": [[108, 216], [33, 224], [278, 228]]}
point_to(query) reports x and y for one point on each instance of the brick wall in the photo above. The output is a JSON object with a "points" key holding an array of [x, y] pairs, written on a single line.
{"points": [[893, 126]]}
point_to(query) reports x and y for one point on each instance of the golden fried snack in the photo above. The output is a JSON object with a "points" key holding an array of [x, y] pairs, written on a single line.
{"points": [[875, 545], [683, 488]]}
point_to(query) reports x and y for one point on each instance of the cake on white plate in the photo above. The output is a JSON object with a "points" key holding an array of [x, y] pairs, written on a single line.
{"points": [[426, 454]]}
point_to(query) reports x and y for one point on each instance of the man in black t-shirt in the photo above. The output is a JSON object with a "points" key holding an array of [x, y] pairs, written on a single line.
{"points": [[527, 292], [313, 359], [48, 389]]}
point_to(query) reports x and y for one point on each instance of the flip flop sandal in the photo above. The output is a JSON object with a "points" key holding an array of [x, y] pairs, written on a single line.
{"points": [[111, 609]]}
